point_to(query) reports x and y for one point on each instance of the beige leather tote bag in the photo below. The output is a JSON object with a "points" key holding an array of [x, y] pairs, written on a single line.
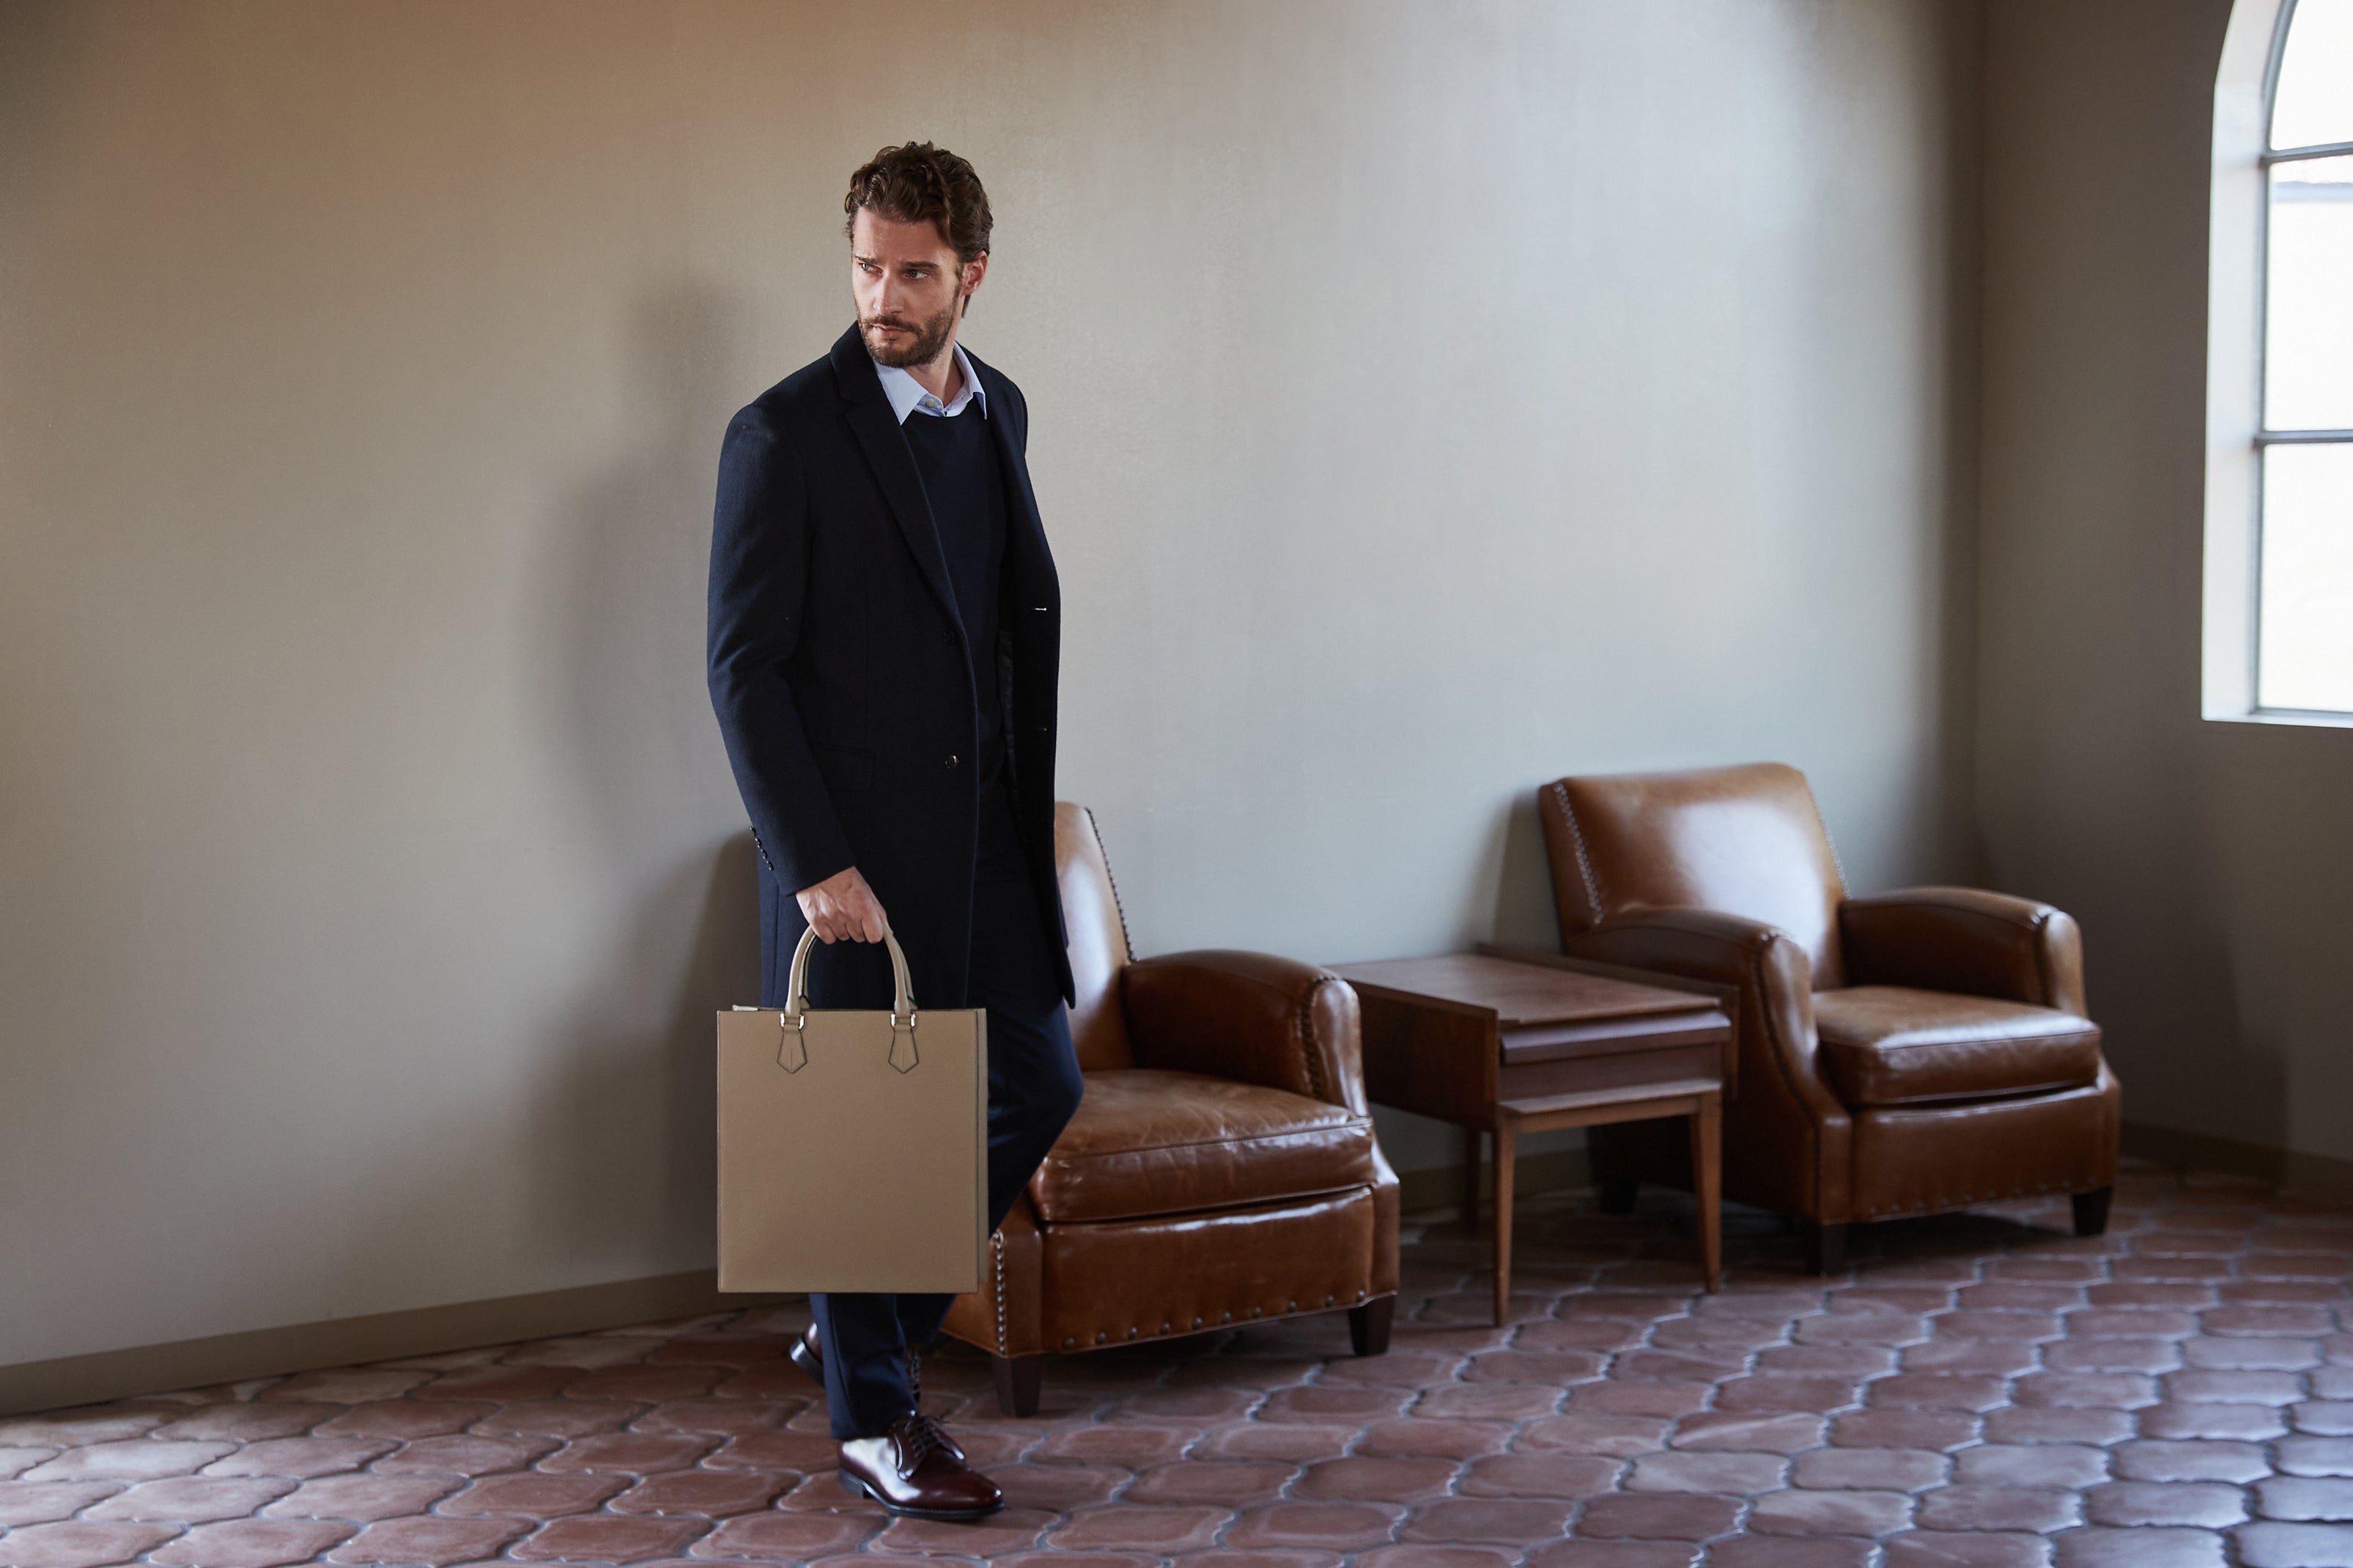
{"points": [[853, 1147]]}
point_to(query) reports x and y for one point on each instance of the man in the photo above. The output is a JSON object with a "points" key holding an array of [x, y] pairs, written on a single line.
{"points": [[885, 632]]}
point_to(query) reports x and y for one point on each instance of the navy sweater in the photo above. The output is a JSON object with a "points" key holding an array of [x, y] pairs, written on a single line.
{"points": [[964, 479]]}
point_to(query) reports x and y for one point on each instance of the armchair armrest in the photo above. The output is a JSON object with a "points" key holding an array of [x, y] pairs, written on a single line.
{"points": [[1969, 941], [1787, 1104], [1706, 944], [1249, 1016]]}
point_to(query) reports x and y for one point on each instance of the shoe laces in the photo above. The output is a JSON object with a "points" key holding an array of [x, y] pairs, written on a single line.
{"points": [[919, 1438], [922, 1436]]}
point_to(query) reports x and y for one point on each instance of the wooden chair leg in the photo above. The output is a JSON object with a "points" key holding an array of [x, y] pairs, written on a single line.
{"points": [[1016, 1383], [1825, 1249], [1471, 1158], [1617, 1194], [2092, 1211], [1368, 1325], [1506, 1152], [1707, 1186]]}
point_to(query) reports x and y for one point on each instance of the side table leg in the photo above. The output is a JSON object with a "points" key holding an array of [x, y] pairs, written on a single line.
{"points": [[1707, 1173], [1506, 1154], [1470, 1156]]}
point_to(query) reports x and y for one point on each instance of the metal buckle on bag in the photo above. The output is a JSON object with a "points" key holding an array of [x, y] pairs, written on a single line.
{"points": [[903, 1028]]}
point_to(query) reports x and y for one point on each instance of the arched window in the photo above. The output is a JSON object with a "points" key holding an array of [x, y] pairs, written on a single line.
{"points": [[2304, 660], [2280, 510]]}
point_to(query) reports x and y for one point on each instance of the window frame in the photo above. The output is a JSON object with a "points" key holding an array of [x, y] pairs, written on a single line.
{"points": [[2238, 341]]}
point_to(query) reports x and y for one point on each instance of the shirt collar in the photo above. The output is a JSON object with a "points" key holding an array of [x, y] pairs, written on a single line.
{"points": [[907, 394]]}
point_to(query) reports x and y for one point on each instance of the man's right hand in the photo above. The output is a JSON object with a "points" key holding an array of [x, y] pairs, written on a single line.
{"points": [[842, 908]]}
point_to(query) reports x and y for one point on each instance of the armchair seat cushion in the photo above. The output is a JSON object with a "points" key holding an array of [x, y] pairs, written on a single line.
{"points": [[1150, 1141], [1891, 1045]]}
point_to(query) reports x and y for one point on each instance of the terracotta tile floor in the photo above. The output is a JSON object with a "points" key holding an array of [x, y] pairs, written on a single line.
{"points": [[1981, 1390]]}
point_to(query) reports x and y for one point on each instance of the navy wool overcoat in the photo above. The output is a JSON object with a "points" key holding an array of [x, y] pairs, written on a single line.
{"points": [[846, 687]]}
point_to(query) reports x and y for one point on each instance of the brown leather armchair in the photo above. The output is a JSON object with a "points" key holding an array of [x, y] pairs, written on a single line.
{"points": [[1904, 1054], [1221, 1168]]}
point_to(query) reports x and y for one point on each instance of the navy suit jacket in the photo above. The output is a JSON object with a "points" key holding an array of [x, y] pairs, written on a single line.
{"points": [[847, 689]]}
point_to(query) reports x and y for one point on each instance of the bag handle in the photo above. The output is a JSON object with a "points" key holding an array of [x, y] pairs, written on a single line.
{"points": [[791, 1055]]}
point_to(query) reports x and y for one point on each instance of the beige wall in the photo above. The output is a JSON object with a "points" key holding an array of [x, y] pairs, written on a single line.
{"points": [[2209, 861], [1429, 400]]}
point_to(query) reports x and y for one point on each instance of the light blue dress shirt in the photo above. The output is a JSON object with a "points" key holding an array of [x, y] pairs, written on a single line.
{"points": [[907, 394]]}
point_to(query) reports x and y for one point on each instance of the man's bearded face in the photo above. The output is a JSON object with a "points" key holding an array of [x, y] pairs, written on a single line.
{"points": [[909, 287], [894, 340]]}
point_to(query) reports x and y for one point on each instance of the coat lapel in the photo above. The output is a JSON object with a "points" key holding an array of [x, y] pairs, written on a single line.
{"points": [[877, 430], [1028, 545]]}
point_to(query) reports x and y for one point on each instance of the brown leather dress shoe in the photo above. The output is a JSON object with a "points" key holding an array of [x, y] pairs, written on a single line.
{"points": [[913, 1469], [808, 1355]]}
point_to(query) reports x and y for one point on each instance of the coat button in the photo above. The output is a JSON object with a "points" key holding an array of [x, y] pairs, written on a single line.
{"points": [[952, 761]]}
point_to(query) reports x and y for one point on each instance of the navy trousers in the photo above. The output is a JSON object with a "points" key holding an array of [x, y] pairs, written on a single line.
{"points": [[1033, 1091]]}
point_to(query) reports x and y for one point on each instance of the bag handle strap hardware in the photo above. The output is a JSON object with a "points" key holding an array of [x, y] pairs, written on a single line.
{"points": [[792, 1055]]}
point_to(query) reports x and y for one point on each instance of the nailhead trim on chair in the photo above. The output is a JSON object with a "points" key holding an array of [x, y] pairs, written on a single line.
{"points": [[1116, 907], [1945, 1203], [996, 1257], [1308, 1056], [1577, 840], [2042, 976], [1168, 1328]]}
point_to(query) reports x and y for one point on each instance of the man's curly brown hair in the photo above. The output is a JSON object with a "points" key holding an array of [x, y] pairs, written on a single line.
{"points": [[918, 183]]}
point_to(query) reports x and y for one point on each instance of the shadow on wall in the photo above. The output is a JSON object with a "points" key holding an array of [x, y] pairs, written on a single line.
{"points": [[610, 1166], [602, 1165], [1525, 915], [625, 1127], [624, 1135]]}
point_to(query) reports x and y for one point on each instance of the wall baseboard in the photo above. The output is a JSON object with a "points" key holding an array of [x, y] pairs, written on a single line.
{"points": [[2321, 1176], [427, 1330], [2317, 1177], [341, 1341]]}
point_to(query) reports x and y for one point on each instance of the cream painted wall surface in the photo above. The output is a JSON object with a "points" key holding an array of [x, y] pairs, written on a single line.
{"points": [[1429, 400], [2208, 861]]}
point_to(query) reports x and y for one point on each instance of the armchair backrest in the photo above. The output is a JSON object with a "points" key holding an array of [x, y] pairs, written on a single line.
{"points": [[1746, 841], [1098, 933]]}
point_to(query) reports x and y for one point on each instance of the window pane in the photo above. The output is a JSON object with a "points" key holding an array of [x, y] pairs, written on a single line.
{"points": [[2306, 657], [2309, 307], [2314, 100]]}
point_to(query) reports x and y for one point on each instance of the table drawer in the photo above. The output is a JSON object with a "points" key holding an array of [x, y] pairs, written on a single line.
{"points": [[1617, 1069], [1607, 1036]]}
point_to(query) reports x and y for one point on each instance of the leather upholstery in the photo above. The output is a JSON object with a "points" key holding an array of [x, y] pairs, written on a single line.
{"points": [[1891, 1045], [1251, 1016], [1968, 939], [1222, 1166], [1900, 1054], [1196, 1273], [1098, 932], [1929, 1159], [1147, 1141], [1746, 841], [1787, 1137]]}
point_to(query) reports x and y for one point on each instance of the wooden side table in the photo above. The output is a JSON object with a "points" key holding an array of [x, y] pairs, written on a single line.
{"points": [[1496, 1045]]}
